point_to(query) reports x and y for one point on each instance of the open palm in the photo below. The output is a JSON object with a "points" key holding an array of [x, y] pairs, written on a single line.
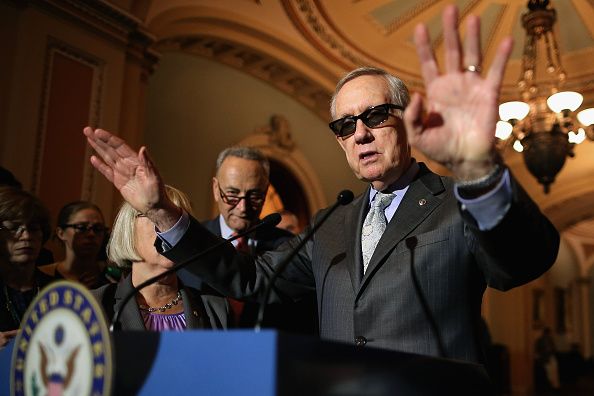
{"points": [[455, 125], [132, 173]]}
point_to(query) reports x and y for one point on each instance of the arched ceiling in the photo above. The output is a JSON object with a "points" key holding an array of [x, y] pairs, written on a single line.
{"points": [[322, 39], [380, 32], [302, 47]]}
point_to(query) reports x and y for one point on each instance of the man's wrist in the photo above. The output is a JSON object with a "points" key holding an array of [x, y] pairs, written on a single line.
{"points": [[469, 189], [165, 217]]}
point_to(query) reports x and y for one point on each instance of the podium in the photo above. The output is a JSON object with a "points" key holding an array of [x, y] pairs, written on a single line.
{"points": [[241, 362]]}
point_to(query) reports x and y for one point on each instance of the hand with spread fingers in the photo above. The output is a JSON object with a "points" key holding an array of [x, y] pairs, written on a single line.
{"points": [[455, 124], [134, 175]]}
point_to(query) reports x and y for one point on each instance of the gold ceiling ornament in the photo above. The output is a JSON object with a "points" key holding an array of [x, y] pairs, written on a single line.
{"points": [[543, 126]]}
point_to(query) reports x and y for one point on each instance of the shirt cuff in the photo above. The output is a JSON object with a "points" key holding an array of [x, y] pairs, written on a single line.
{"points": [[489, 209], [172, 236]]}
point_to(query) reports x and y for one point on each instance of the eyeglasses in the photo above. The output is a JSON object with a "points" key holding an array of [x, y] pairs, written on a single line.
{"points": [[252, 198], [98, 229], [372, 118], [17, 230]]}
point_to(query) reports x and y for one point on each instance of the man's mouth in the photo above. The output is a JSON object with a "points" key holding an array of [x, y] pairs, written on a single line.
{"points": [[367, 155]]}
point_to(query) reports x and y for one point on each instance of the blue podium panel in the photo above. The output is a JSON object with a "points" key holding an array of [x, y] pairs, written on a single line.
{"points": [[209, 363], [5, 357], [241, 362]]}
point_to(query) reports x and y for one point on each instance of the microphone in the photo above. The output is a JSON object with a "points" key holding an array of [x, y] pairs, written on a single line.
{"points": [[269, 221], [344, 198]]}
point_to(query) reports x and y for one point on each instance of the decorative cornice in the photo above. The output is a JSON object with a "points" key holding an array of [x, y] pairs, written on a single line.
{"points": [[309, 18], [413, 12], [256, 63]]}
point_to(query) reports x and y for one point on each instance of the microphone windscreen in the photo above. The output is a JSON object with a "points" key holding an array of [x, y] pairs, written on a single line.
{"points": [[345, 197], [271, 220]]}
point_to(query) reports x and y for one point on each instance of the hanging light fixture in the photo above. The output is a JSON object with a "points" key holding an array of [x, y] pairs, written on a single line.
{"points": [[543, 129]]}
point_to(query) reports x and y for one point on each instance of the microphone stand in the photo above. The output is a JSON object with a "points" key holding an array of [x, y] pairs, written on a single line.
{"points": [[268, 221], [344, 198]]}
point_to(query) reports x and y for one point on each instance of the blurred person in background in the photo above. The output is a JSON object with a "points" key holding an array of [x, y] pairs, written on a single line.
{"points": [[82, 231], [24, 228]]}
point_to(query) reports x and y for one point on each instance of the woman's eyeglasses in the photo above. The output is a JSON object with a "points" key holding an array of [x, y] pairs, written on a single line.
{"points": [[17, 230], [372, 118], [98, 229]]}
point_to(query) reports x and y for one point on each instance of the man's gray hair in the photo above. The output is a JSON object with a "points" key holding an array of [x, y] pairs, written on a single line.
{"points": [[249, 153], [397, 91]]}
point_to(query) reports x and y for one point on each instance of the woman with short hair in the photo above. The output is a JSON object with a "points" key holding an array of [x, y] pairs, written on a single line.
{"points": [[166, 304], [24, 228]]}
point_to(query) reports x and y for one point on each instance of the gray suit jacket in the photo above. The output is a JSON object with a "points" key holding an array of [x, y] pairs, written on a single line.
{"points": [[453, 260], [294, 317], [202, 311]]}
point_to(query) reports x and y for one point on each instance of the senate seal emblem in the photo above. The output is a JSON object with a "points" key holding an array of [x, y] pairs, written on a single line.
{"points": [[64, 347]]}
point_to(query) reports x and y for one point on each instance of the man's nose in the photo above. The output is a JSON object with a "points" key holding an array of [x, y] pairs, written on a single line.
{"points": [[242, 205], [362, 132]]}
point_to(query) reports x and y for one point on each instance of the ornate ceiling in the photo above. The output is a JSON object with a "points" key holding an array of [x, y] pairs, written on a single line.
{"points": [[380, 32], [302, 47]]}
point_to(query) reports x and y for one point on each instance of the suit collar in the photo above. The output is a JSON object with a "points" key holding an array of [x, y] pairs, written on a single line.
{"points": [[130, 318]]}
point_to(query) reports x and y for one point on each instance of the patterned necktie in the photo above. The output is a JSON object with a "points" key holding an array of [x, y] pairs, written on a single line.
{"points": [[374, 226]]}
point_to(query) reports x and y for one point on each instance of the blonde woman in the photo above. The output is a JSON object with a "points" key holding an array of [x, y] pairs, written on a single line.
{"points": [[167, 304]]}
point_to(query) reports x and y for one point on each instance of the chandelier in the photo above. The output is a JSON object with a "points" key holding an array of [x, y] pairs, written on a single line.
{"points": [[543, 129]]}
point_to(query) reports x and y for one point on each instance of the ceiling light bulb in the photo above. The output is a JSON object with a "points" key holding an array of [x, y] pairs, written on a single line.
{"points": [[513, 110], [503, 130], [518, 146], [576, 138], [586, 117], [567, 100]]}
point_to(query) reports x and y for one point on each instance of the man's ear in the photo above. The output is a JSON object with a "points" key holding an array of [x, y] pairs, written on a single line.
{"points": [[215, 189]]}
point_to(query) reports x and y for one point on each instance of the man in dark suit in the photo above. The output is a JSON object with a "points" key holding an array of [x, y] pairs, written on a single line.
{"points": [[239, 190], [416, 286]]}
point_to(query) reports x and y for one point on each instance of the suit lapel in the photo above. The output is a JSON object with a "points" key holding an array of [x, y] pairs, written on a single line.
{"points": [[419, 201], [193, 310], [130, 317], [352, 228]]}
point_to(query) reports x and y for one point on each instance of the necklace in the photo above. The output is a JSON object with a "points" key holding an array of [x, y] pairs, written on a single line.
{"points": [[10, 306], [165, 307]]}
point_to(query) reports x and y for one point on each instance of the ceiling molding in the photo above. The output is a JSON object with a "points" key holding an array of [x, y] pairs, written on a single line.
{"points": [[256, 63]]}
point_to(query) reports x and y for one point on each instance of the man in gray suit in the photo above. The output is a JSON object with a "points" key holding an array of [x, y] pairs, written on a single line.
{"points": [[418, 285]]}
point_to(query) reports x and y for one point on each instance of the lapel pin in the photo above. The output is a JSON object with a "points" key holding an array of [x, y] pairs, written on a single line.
{"points": [[422, 201]]}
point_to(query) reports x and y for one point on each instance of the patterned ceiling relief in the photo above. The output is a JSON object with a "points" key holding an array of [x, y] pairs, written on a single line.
{"points": [[373, 32]]}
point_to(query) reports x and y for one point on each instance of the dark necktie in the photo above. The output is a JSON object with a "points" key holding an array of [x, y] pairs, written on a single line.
{"points": [[236, 305]]}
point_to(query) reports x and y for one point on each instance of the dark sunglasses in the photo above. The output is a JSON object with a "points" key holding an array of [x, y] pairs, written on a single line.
{"points": [[252, 198], [97, 229], [372, 118]]}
